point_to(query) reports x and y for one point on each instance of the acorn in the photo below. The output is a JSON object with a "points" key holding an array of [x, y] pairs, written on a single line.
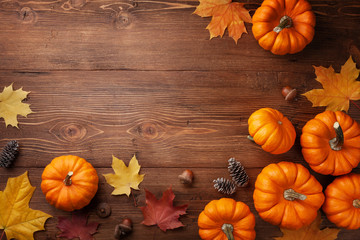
{"points": [[187, 177], [123, 229], [289, 93], [103, 210]]}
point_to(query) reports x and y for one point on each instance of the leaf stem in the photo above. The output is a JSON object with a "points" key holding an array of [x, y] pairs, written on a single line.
{"points": [[132, 194], [2, 234]]}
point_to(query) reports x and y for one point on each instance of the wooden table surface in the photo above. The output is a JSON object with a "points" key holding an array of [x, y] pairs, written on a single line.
{"points": [[142, 77]]}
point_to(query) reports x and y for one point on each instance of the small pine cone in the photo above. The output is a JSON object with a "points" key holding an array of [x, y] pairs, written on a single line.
{"points": [[9, 153], [238, 173], [224, 186]]}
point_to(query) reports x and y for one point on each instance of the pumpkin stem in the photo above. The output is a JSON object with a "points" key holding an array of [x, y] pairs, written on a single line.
{"points": [[250, 138], [285, 22], [337, 142], [356, 203], [67, 180], [228, 229], [291, 195]]}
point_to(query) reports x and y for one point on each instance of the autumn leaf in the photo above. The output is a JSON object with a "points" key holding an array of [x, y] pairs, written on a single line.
{"points": [[11, 105], [311, 232], [77, 227], [225, 14], [17, 219], [124, 177], [162, 212], [338, 88]]}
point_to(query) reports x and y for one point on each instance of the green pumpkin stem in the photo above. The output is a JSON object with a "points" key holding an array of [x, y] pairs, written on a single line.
{"points": [[356, 203], [337, 142], [285, 22], [250, 138], [228, 230], [291, 195], [67, 180]]}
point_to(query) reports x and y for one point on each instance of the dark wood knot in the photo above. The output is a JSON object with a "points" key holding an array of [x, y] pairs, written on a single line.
{"points": [[77, 3], [27, 15], [123, 20], [73, 132], [148, 130]]}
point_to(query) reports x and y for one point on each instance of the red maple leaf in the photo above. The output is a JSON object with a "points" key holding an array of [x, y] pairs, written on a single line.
{"points": [[77, 227], [162, 212]]}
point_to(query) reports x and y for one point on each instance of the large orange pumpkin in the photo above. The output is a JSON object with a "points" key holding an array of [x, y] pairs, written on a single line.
{"points": [[69, 182], [342, 204], [269, 128], [331, 143], [287, 195], [284, 26], [226, 219]]}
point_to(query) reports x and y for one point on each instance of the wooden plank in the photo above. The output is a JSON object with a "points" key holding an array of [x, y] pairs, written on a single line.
{"points": [[156, 181], [160, 116], [155, 35]]}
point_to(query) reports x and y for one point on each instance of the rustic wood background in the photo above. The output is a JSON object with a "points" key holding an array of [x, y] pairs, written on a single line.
{"points": [[141, 77]]}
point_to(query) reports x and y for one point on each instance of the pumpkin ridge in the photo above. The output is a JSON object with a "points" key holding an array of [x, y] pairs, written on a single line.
{"points": [[284, 175], [272, 137]]}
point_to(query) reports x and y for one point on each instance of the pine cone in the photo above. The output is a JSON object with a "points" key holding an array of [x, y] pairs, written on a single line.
{"points": [[224, 186], [9, 153], [238, 173]]}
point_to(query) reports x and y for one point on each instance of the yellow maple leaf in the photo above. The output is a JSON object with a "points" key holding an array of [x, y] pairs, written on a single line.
{"points": [[225, 14], [17, 219], [311, 232], [124, 177], [11, 105], [338, 88]]}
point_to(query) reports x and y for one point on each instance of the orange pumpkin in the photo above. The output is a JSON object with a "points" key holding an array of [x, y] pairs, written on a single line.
{"points": [[331, 143], [69, 182], [226, 219], [270, 129], [287, 195], [342, 204], [284, 26]]}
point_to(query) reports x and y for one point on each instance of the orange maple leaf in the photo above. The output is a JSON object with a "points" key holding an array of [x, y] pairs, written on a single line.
{"points": [[225, 14], [310, 232], [339, 88]]}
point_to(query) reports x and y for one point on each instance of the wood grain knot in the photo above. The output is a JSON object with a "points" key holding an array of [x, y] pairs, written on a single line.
{"points": [[123, 20], [27, 15], [73, 4], [69, 132], [148, 130], [73, 132]]}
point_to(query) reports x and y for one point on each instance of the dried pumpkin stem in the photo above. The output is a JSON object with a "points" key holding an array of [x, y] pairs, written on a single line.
{"points": [[228, 230], [337, 142], [285, 22], [67, 180], [291, 195], [356, 203]]}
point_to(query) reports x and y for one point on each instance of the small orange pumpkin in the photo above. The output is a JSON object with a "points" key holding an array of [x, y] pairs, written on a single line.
{"points": [[287, 195], [284, 26], [69, 182], [331, 143], [226, 219], [342, 202], [270, 129]]}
